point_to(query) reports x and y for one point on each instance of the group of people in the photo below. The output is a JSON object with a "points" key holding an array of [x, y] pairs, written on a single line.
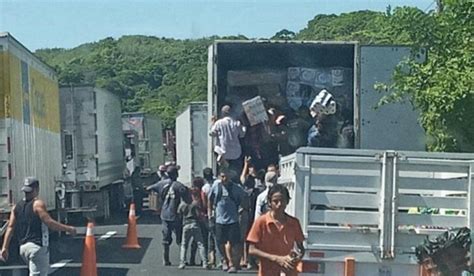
{"points": [[232, 222]]}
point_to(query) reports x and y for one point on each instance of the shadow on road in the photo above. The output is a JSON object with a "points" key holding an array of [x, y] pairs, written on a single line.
{"points": [[107, 251]]}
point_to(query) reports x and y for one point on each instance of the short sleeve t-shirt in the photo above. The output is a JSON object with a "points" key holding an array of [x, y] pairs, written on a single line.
{"points": [[226, 200], [264, 235]]}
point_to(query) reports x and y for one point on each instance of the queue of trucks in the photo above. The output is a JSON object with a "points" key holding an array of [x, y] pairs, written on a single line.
{"points": [[70, 138]]}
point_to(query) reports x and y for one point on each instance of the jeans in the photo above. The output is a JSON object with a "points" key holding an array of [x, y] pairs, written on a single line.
{"points": [[192, 231], [205, 240], [36, 257]]}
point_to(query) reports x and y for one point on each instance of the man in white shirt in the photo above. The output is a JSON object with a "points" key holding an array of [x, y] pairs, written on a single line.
{"points": [[228, 132], [261, 206]]}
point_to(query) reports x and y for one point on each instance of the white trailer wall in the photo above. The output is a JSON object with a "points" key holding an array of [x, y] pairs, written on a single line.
{"points": [[191, 141]]}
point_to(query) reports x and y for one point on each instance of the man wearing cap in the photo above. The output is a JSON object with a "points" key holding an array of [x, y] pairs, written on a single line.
{"points": [[158, 175], [261, 206], [171, 193], [228, 131], [30, 221]]}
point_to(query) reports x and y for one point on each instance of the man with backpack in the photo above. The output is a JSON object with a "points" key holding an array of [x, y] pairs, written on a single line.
{"points": [[171, 193], [225, 197]]}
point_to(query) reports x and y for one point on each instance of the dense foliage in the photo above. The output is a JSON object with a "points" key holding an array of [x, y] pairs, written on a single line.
{"points": [[442, 88], [152, 74], [163, 75]]}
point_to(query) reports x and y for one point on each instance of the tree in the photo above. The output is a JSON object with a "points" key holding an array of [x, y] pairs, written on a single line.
{"points": [[442, 88], [284, 35]]}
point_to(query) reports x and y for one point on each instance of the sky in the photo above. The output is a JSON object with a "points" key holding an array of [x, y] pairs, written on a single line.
{"points": [[70, 23]]}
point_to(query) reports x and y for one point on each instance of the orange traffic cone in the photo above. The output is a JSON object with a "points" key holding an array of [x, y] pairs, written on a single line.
{"points": [[89, 265], [132, 237]]}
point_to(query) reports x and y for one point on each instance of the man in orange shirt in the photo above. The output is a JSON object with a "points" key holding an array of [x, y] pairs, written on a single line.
{"points": [[276, 238]]}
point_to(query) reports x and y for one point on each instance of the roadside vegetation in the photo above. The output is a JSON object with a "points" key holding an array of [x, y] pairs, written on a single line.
{"points": [[162, 75]]}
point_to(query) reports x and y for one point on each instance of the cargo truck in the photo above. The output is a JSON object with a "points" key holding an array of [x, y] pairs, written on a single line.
{"points": [[191, 141], [30, 143], [143, 135], [92, 156], [363, 212], [146, 129], [287, 75]]}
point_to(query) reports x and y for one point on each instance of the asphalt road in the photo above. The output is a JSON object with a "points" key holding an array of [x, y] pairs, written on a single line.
{"points": [[112, 260]]}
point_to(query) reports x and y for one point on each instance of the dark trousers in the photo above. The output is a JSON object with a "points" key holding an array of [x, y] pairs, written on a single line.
{"points": [[168, 227]]}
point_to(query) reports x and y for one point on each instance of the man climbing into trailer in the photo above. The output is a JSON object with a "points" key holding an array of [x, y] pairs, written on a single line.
{"points": [[228, 131], [29, 221]]}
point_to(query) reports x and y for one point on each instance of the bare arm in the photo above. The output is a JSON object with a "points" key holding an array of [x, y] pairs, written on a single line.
{"points": [[8, 234], [245, 170], [39, 207], [210, 204], [213, 130], [242, 130]]}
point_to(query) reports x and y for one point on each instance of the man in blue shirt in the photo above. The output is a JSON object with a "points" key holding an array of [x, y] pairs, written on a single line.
{"points": [[171, 193], [224, 201]]}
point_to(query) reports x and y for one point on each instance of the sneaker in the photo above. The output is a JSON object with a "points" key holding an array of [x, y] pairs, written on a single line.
{"points": [[232, 270], [251, 267], [225, 267], [206, 266], [165, 263], [181, 266]]}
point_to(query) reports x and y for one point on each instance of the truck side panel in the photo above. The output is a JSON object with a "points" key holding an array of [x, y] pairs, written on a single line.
{"points": [[184, 152], [191, 141], [29, 124], [150, 152], [154, 134], [199, 138], [390, 123], [375, 206], [79, 120], [109, 128]]}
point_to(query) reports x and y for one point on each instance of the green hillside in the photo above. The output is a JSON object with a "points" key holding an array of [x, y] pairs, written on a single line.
{"points": [[163, 75]]}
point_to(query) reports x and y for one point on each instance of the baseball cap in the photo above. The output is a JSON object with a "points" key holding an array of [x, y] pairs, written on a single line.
{"points": [[28, 183]]}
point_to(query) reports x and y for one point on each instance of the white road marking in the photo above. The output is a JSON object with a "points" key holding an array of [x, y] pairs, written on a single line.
{"points": [[107, 235], [58, 265]]}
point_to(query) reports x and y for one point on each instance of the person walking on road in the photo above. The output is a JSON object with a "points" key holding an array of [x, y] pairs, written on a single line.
{"points": [[225, 198], [214, 257], [276, 238], [29, 221], [171, 193]]}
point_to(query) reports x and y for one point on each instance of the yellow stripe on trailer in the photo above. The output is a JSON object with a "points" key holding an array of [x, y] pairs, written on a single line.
{"points": [[29, 90], [3, 83]]}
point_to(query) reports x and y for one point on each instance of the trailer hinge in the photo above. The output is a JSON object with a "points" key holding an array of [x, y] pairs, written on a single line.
{"points": [[301, 169]]}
